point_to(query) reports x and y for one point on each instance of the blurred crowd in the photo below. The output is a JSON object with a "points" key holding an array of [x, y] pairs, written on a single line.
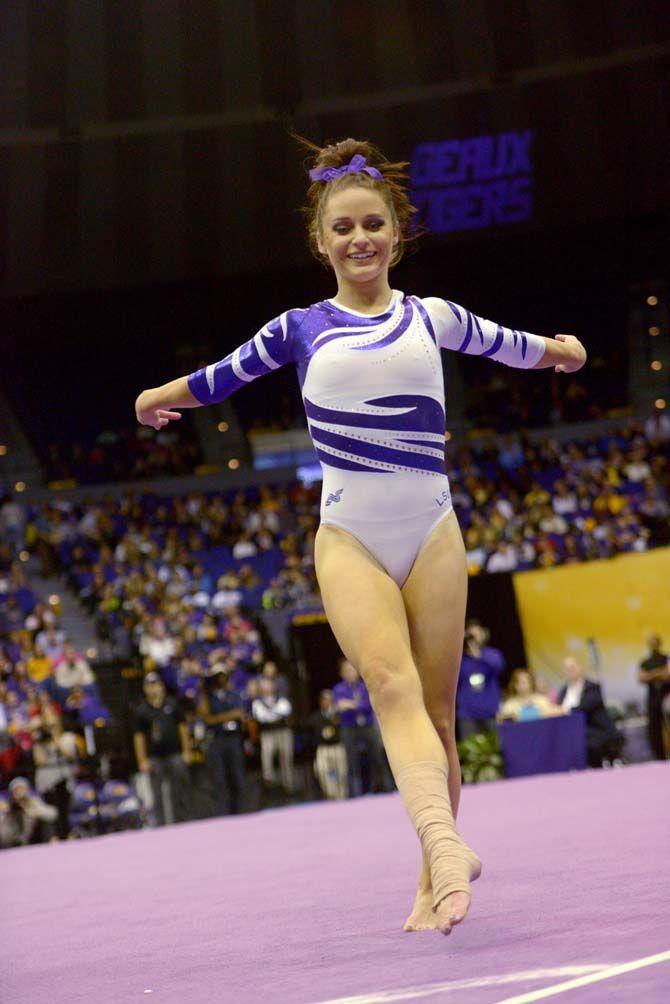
{"points": [[199, 747], [189, 559], [176, 586], [528, 505], [126, 455]]}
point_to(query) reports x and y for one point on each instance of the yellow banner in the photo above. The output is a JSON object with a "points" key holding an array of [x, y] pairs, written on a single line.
{"points": [[601, 610]]}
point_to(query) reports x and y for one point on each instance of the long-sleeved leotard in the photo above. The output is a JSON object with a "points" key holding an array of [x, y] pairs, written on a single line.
{"points": [[374, 398]]}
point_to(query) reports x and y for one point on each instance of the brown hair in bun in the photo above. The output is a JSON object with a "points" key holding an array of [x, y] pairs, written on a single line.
{"points": [[392, 188]]}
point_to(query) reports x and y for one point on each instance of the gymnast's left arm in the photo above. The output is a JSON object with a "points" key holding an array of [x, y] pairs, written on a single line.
{"points": [[460, 330]]}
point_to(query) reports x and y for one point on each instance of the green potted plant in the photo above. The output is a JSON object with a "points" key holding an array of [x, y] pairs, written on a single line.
{"points": [[481, 758]]}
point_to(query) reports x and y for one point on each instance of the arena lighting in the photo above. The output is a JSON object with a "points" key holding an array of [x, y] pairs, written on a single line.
{"points": [[3, 450], [23, 556], [233, 464], [222, 427], [653, 331], [657, 364], [660, 403], [652, 300], [20, 486]]}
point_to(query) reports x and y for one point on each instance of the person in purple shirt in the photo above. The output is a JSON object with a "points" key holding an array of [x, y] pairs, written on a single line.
{"points": [[478, 693], [359, 731], [389, 556]]}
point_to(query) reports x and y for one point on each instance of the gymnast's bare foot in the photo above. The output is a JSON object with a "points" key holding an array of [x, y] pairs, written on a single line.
{"points": [[451, 911], [422, 917]]}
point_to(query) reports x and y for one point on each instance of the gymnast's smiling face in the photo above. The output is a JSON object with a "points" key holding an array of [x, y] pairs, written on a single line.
{"points": [[358, 235]]}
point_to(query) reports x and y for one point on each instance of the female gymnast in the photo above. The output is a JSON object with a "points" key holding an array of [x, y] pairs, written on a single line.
{"points": [[389, 555]]}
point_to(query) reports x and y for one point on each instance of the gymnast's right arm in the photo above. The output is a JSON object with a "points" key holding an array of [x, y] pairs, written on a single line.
{"points": [[270, 348], [155, 406]]}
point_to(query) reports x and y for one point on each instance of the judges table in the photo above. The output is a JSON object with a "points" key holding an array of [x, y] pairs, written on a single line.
{"points": [[544, 746]]}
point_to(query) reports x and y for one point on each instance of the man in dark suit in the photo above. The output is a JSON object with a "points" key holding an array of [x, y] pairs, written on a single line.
{"points": [[655, 672], [603, 741]]}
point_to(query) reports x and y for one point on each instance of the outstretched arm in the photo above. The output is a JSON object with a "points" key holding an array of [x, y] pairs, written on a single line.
{"points": [[459, 330], [270, 348], [155, 407]]}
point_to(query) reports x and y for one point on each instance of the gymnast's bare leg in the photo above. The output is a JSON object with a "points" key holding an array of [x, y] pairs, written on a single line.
{"points": [[367, 613], [435, 596]]}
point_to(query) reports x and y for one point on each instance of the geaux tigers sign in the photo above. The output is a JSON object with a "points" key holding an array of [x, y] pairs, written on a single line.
{"points": [[469, 184]]}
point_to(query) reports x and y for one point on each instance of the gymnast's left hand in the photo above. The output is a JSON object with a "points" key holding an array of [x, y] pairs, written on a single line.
{"points": [[576, 354]]}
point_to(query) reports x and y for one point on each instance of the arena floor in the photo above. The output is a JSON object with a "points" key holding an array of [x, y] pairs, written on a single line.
{"points": [[306, 904]]}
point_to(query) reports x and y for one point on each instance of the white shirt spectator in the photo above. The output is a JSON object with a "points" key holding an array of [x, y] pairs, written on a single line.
{"points": [[503, 559], [504, 507], [244, 549], [553, 524], [73, 671], [226, 599], [637, 470], [160, 650], [564, 504], [573, 696], [270, 711], [658, 427]]}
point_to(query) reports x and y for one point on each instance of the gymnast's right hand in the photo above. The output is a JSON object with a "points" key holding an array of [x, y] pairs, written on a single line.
{"points": [[149, 414]]}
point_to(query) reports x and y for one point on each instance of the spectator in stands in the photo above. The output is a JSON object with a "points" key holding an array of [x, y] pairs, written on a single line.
{"points": [[26, 818], [503, 559], [12, 523], [55, 756], [564, 501], [330, 762], [478, 693], [654, 671], [603, 741], [525, 703], [273, 713], [158, 645], [228, 595], [162, 750], [270, 672], [72, 669], [359, 733], [244, 547], [39, 666], [85, 708], [221, 708]]}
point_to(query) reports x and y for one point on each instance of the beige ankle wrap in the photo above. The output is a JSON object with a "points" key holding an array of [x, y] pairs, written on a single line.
{"points": [[423, 789]]}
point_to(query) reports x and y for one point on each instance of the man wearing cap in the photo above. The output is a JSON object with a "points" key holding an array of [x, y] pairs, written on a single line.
{"points": [[221, 708], [163, 751]]}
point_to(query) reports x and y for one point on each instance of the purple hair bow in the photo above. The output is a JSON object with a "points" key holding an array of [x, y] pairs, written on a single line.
{"points": [[357, 163]]}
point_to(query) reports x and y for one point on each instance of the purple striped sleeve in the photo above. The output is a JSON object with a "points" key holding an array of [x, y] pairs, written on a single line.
{"points": [[270, 348], [460, 330]]}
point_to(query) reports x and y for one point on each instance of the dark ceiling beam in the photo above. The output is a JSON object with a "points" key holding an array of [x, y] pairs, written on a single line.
{"points": [[388, 98]]}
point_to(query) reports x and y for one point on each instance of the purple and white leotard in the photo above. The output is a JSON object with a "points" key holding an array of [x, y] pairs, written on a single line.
{"points": [[373, 392]]}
